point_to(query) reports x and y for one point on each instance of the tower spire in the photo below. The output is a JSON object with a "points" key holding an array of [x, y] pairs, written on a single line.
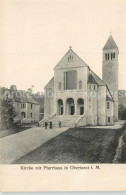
{"points": [[110, 71], [110, 44]]}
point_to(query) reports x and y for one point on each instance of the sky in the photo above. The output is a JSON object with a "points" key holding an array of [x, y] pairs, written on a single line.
{"points": [[35, 35]]}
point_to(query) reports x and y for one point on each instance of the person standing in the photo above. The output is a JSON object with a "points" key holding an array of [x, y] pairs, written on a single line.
{"points": [[50, 125], [59, 124], [46, 124]]}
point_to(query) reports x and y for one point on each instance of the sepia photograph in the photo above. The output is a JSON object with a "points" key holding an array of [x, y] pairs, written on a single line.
{"points": [[63, 83]]}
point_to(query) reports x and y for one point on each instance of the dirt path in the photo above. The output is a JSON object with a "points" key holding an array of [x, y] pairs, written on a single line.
{"points": [[17, 145]]}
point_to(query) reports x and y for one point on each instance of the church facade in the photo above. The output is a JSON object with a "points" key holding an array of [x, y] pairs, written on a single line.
{"points": [[76, 96]]}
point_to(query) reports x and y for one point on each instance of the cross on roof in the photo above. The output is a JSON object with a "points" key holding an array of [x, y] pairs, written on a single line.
{"points": [[110, 32], [70, 47]]}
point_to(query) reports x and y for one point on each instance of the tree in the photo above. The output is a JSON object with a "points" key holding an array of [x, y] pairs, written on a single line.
{"points": [[8, 111], [122, 112]]}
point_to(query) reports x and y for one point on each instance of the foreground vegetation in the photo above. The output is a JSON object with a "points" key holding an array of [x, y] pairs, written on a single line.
{"points": [[13, 130], [122, 155], [77, 145]]}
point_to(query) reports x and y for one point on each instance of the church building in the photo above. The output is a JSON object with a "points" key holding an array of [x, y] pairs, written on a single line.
{"points": [[76, 96]]}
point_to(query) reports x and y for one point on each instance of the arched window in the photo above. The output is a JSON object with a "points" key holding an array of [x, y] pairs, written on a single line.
{"points": [[106, 56], [108, 105], [80, 84], [31, 115], [70, 58], [59, 85]]}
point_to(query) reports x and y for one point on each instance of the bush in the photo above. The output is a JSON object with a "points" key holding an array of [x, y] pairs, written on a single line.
{"points": [[122, 112], [8, 112]]}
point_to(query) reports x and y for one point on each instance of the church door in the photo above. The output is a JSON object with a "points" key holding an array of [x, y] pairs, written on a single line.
{"points": [[81, 110], [62, 110], [72, 110]]}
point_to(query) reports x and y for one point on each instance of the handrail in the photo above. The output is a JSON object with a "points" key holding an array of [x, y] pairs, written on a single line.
{"points": [[52, 115], [78, 120], [43, 120], [47, 118]]}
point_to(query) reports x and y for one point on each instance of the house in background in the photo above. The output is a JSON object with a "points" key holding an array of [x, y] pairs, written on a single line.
{"points": [[27, 109]]}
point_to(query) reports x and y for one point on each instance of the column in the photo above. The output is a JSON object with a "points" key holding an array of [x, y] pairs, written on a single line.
{"points": [[64, 107], [75, 104]]}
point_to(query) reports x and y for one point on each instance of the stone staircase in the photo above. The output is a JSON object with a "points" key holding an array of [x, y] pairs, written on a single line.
{"points": [[66, 120]]}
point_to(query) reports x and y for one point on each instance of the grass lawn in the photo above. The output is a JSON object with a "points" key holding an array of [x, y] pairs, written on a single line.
{"points": [[7, 132], [77, 145]]}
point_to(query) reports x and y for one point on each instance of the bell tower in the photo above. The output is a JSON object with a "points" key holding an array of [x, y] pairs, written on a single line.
{"points": [[110, 70]]}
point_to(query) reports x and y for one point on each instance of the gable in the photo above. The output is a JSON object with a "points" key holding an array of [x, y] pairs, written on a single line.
{"points": [[50, 84], [70, 60]]}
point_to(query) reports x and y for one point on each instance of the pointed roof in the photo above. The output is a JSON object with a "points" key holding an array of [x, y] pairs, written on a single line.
{"points": [[74, 63], [23, 97], [97, 79], [110, 44], [94, 79], [109, 99], [91, 79], [50, 84]]}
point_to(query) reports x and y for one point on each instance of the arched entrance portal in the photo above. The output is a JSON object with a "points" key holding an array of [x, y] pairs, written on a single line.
{"points": [[60, 107], [70, 106], [80, 106]]}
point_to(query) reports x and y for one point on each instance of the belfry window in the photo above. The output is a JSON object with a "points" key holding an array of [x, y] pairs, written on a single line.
{"points": [[109, 56], [112, 55]]}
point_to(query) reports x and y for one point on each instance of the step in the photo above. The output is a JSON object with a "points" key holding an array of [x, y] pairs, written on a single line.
{"points": [[68, 120]]}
